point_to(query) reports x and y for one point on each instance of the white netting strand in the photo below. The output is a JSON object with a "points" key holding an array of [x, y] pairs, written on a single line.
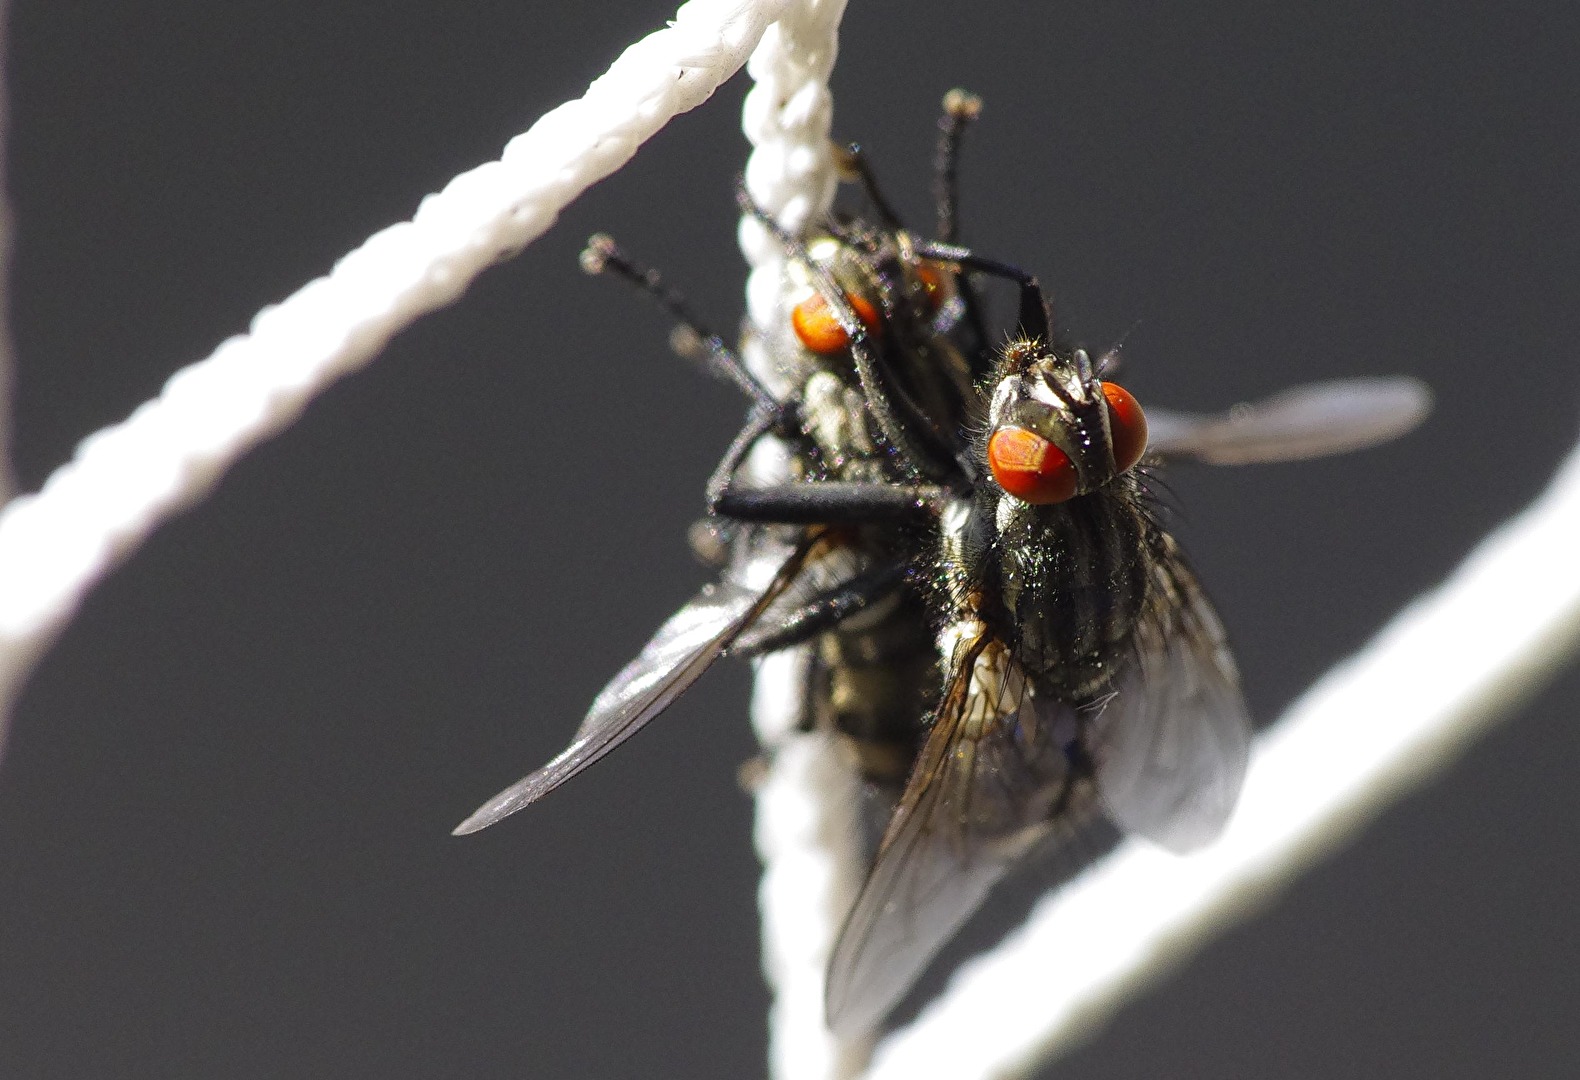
{"points": [[124, 480], [787, 117], [806, 808]]}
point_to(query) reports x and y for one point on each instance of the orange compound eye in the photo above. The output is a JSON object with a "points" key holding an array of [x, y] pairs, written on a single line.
{"points": [[819, 331], [1127, 424], [934, 281], [1030, 467]]}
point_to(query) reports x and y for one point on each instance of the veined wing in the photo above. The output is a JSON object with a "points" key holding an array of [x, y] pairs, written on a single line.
{"points": [[684, 647], [984, 792], [1311, 421], [1171, 743]]}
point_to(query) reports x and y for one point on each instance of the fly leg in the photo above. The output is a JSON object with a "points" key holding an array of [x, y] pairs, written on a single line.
{"points": [[960, 110], [817, 502], [814, 502], [824, 611], [1034, 320], [924, 450], [829, 502], [693, 340], [853, 162]]}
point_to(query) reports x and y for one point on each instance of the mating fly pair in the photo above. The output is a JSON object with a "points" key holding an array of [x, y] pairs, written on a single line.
{"points": [[965, 537]]}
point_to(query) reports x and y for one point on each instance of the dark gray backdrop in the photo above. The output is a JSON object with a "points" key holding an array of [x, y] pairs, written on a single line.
{"points": [[224, 813]]}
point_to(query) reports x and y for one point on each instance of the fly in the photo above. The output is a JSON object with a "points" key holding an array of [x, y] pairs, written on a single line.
{"points": [[980, 521]]}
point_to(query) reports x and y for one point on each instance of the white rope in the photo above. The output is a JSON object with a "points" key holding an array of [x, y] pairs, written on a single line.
{"points": [[127, 478], [807, 823], [1447, 668]]}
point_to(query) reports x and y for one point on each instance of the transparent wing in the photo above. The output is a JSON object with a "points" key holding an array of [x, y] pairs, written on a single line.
{"points": [[1309, 421], [684, 647], [984, 792], [1171, 743]]}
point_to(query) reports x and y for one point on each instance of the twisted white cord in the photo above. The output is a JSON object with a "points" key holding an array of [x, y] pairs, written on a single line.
{"points": [[807, 824], [1447, 668], [127, 478]]}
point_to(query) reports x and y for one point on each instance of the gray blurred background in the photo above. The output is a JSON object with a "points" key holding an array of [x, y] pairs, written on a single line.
{"points": [[225, 809]]}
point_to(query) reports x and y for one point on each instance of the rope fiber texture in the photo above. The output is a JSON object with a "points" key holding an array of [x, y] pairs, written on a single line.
{"points": [[806, 825]]}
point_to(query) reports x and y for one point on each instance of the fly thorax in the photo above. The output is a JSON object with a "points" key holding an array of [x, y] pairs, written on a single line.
{"points": [[1073, 579]]}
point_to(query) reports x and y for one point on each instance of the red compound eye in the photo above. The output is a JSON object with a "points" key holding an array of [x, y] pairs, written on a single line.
{"points": [[1127, 424], [1030, 467], [819, 331]]}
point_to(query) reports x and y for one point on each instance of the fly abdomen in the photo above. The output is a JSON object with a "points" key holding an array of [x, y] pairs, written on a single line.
{"points": [[877, 682]]}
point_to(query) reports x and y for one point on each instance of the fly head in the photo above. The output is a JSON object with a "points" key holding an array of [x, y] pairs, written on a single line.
{"points": [[1056, 429]]}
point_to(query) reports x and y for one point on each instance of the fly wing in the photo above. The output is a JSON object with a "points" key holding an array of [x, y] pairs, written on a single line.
{"points": [[983, 793], [1311, 421], [684, 647], [1171, 742]]}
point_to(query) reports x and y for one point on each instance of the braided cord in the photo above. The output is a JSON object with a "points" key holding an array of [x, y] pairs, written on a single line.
{"points": [[807, 826]]}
